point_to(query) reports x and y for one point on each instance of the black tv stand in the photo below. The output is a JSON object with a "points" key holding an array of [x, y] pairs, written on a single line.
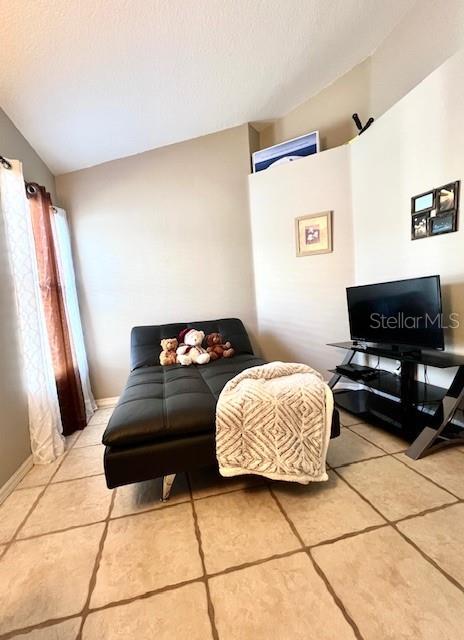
{"points": [[422, 413]]}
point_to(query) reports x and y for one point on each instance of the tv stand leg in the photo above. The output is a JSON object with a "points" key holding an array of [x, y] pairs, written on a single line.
{"points": [[429, 439]]}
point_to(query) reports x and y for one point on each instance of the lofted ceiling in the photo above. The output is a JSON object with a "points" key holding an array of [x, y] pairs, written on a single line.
{"points": [[87, 81]]}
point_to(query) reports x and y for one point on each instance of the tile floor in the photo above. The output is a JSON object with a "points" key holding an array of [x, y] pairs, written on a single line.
{"points": [[375, 553]]}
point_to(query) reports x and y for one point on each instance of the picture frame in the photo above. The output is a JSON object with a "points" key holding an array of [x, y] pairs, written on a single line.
{"points": [[287, 151], [423, 202], [313, 234], [435, 212], [420, 225], [443, 223], [447, 197]]}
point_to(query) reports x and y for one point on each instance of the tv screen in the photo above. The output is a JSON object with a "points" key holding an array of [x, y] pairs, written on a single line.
{"points": [[403, 312]]}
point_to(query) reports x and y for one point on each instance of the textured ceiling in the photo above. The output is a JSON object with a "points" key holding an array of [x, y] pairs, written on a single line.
{"points": [[87, 81]]}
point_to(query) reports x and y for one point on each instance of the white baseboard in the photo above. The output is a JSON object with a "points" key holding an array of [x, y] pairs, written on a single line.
{"points": [[103, 403], [11, 484]]}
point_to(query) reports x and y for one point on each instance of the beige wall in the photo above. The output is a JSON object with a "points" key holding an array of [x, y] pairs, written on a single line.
{"points": [[329, 112], [416, 146], [14, 430], [163, 236], [300, 301], [429, 34]]}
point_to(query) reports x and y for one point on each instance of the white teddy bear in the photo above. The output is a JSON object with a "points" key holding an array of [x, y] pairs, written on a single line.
{"points": [[190, 350]]}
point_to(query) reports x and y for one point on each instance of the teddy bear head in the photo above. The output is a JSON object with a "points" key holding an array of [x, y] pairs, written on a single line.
{"points": [[169, 344], [193, 338], [213, 338]]}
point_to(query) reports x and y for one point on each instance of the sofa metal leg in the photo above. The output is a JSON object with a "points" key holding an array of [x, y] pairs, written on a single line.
{"points": [[168, 481]]}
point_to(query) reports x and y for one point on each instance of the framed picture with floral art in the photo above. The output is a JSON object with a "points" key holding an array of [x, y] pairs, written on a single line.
{"points": [[314, 234]]}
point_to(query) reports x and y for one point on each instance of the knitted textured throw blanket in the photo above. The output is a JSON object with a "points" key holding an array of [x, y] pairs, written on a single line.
{"points": [[275, 420]]}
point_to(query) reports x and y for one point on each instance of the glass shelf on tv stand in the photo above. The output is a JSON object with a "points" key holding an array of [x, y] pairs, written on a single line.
{"points": [[395, 400], [438, 359]]}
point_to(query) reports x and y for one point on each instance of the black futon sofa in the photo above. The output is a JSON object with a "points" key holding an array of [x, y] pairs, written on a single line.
{"points": [[164, 422]]}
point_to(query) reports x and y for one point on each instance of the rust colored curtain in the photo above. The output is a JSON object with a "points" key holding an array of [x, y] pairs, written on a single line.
{"points": [[68, 383]]}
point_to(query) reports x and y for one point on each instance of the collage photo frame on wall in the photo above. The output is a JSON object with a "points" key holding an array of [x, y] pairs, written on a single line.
{"points": [[435, 212]]}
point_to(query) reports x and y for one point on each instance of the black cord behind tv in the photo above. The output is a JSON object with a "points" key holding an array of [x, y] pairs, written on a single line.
{"points": [[406, 314]]}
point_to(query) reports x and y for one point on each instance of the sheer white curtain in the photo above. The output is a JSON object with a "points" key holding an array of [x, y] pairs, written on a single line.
{"points": [[44, 414], [68, 283]]}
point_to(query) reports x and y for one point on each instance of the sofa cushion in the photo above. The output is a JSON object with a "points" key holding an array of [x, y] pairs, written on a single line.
{"points": [[145, 341], [168, 402]]}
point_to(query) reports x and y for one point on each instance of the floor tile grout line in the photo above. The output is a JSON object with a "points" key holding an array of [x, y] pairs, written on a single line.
{"points": [[43, 488], [84, 525], [429, 559], [15, 634], [160, 507], [185, 500], [90, 475], [255, 563], [112, 518], [146, 595], [228, 570], [360, 435], [154, 592], [345, 536], [231, 569], [393, 524], [392, 453], [259, 485], [366, 500], [304, 546], [354, 424], [37, 486], [109, 605], [84, 446], [93, 578], [124, 515], [196, 524], [34, 504], [336, 598], [426, 512], [409, 516], [426, 477], [290, 523], [347, 464], [394, 456], [171, 587], [337, 601]]}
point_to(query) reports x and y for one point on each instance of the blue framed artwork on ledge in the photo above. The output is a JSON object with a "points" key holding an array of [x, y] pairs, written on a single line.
{"points": [[286, 151]]}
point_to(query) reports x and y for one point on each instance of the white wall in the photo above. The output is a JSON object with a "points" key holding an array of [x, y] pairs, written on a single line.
{"points": [[417, 145], [162, 236], [300, 301]]}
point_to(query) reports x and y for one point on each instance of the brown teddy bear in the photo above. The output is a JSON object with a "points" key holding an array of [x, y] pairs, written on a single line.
{"points": [[168, 354], [217, 348]]}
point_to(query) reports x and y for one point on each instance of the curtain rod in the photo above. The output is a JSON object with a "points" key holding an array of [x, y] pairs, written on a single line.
{"points": [[4, 162]]}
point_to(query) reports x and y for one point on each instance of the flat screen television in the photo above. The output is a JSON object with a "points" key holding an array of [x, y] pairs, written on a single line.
{"points": [[403, 313]]}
